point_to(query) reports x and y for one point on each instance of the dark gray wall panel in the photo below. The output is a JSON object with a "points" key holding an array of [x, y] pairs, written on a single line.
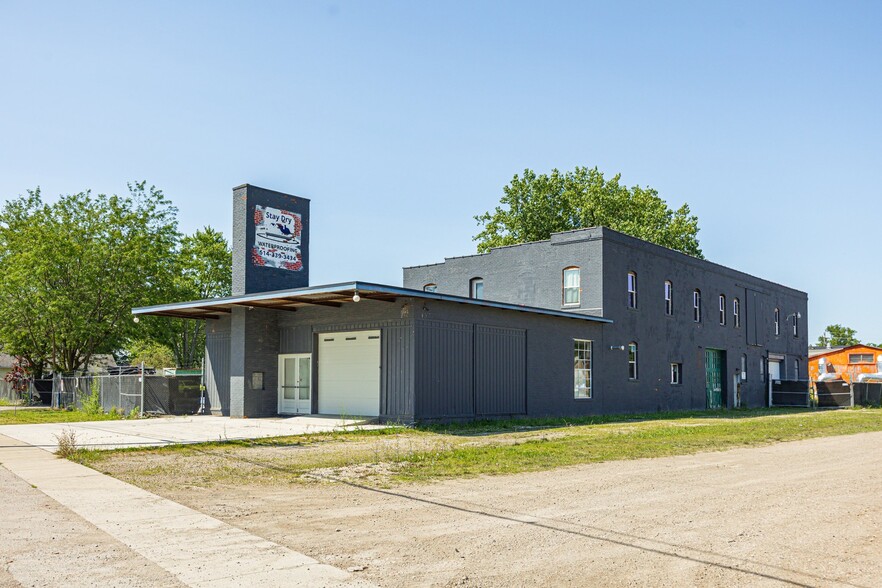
{"points": [[397, 376], [295, 339], [500, 371], [443, 368], [216, 366]]}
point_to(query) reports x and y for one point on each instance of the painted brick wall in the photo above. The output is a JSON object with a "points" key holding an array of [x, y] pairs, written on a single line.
{"points": [[531, 274]]}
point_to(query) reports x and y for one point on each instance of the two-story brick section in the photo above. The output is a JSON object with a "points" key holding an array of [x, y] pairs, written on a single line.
{"points": [[685, 333]]}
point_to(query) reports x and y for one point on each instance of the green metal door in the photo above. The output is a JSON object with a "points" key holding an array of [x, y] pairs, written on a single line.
{"points": [[713, 369]]}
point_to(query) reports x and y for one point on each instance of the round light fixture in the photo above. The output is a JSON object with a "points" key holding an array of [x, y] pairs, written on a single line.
{"points": [[356, 297]]}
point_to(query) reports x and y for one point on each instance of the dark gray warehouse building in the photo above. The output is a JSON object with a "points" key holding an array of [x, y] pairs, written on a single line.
{"points": [[588, 322]]}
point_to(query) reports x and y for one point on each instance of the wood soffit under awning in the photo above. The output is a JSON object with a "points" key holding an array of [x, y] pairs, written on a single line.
{"points": [[287, 303]]}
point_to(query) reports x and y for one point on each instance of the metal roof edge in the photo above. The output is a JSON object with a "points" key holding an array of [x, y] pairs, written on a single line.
{"points": [[370, 287]]}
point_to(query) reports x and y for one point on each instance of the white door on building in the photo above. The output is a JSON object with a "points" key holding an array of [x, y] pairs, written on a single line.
{"points": [[349, 373], [295, 383], [774, 369]]}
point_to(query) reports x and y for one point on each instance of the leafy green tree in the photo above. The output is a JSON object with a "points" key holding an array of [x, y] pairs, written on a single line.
{"points": [[150, 353], [838, 336], [203, 269], [535, 206], [72, 270]]}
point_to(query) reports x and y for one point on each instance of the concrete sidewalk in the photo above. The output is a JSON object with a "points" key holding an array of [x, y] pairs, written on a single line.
{"points": [[197, 549], [170, 430]]}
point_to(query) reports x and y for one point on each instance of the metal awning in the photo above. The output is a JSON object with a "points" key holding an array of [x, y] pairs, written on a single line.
{"points": [[333, 295]]}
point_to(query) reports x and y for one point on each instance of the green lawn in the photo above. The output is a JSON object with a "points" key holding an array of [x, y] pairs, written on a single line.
{"points": [[35, 415], [485, 448], [650, 438]]}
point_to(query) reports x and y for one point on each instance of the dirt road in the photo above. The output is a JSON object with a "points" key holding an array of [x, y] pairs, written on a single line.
{"points": [[805, 513]]}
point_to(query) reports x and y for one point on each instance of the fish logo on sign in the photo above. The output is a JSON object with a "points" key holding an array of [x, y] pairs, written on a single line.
{"points": [[277, 236]]}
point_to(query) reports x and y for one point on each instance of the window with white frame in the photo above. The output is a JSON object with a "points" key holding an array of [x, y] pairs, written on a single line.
{"points": [[736, 313], [582, 368], [676, 368], [795, 369], [696, 306], [476, 288], [762, 370], [777, 322], [669, 298], [430, 288], [722, 309], [632, 361], [632, 290], [572, 286], [795, 316]]}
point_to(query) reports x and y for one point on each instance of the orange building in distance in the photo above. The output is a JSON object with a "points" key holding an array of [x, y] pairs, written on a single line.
{"points": [[848, 362]]}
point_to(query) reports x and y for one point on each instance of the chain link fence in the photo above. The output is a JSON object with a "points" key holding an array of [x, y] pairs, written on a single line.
{"points": [[150, 394], [9, 394]]}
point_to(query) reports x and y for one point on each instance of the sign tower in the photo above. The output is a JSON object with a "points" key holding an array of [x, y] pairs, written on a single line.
{"points": [[270, 240]]}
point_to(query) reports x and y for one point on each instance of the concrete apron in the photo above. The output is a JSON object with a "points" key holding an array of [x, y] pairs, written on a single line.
{"points": [[199, 550], [173, 430]]}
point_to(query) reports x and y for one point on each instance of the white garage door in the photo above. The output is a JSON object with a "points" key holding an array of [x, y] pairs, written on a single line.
{"points": [[349, 373]]}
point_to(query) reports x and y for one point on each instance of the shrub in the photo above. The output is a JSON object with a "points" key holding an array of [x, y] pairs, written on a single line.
{"points": [[92, 402]]}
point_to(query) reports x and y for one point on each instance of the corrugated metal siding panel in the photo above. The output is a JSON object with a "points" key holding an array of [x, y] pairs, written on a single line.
{"points": [[217, 372], [396, 388], [295, 339], [443, 364], [500, 371]]}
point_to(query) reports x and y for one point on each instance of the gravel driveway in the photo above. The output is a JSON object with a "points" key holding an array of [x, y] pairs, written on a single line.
{"points": [[805, 513]]}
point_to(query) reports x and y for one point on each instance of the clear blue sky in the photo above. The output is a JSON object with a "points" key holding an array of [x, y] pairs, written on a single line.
{"points": [[403, 120]]}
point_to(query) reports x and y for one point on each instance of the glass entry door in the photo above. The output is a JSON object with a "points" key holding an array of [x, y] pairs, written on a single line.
{"points": [[295, 383]]}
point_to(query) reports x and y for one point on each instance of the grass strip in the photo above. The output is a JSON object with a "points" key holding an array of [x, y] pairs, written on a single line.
{"points": [[646, 439], [35, 416], [421, 454]]}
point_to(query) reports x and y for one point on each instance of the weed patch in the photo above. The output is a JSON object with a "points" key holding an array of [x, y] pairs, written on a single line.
{"points": [[67, 443]]}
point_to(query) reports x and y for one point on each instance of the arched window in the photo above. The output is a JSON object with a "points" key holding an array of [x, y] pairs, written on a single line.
{"points": [[572, 286], [632, 290], [476, 288], [430, 288], [723, 309], [743, 366], [696, 306], [669, 298], [777, 322], [736, 313], [632, 361]]}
